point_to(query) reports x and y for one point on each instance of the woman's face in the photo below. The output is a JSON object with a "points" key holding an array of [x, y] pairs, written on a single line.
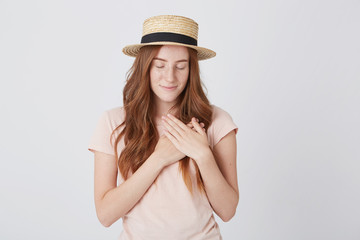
{"points": [[169, 73]]}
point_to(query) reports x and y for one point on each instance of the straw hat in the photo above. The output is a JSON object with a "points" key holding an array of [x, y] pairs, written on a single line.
{"points": [[170, 30]]}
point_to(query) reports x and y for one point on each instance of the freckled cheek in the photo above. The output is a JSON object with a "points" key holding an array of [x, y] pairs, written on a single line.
{"points": [[154, 77], [184, 78]]}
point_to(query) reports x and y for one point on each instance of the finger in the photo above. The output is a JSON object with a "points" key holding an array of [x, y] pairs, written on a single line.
{"points": [[177, 121], [192, 127], [170, 128], [172, 139], [197, 126], [174, 125], [203, 126]]}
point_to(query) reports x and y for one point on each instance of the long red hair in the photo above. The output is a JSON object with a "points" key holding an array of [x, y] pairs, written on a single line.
{"points": [[139, 132]]}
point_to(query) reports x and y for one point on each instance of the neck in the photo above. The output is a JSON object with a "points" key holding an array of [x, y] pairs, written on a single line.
{"points": [[163, 108]]}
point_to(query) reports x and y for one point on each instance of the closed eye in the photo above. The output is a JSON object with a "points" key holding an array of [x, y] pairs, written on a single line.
{"points": [[181, 67]]}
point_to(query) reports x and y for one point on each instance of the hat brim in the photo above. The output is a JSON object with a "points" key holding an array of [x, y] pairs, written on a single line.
{"points": [[203, 53]]}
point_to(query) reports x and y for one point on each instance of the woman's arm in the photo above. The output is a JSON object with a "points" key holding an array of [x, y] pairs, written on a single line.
{"points": [[217, 168], [219, 174], [113, 202]]}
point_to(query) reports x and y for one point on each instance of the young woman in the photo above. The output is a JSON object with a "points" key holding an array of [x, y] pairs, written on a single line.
{"points": [[166, 160]]}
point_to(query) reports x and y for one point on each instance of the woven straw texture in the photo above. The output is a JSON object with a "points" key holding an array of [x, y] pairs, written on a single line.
{"points": [[169, 23], [172, 24]]}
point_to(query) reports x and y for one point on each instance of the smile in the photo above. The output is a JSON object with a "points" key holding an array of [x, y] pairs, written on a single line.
{"points": [[168, 88]]}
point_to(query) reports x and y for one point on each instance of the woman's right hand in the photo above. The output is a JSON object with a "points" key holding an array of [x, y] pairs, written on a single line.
{"points": [[166, 152]]}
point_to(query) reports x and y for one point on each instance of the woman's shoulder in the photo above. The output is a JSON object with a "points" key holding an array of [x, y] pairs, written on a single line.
{"points": [[221, 124], [218, 112], [115, 115], [116, 111]]}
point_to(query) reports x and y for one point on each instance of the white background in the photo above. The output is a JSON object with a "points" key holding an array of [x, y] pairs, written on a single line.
{"points": [[287, 71]]}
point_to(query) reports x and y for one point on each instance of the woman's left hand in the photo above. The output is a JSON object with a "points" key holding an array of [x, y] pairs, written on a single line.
{"points": [[193, 142]]}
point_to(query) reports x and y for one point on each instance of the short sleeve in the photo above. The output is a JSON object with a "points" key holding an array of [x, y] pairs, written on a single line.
{"points": [[100, 140], [222, 124]]}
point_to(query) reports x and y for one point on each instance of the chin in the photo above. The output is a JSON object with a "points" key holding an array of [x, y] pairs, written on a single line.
{"points": [[167, 98]]}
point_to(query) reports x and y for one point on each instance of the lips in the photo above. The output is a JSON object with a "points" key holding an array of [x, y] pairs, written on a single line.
{"points": [[168, 88]]}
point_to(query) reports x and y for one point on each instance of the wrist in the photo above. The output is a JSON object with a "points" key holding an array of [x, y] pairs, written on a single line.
{"points": [[156, 162], [204, 156]]}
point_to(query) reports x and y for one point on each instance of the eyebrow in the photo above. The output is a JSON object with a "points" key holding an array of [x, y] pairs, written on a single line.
{"points": [[164, 60]]}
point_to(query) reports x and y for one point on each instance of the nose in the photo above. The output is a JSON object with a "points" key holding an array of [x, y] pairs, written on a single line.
{"points": [[170, 75]]}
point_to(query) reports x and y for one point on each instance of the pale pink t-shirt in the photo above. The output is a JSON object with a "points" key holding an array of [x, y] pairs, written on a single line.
{"points": [[167, 210]]}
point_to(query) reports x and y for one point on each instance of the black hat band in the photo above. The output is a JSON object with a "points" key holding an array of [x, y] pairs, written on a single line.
{"points": [[168, 37]]}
